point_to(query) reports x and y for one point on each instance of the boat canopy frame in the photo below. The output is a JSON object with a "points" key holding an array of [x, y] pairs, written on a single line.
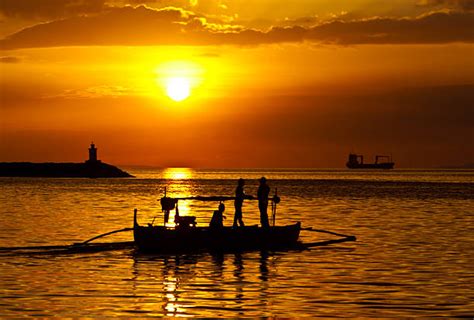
{"points": [[170, 203]]}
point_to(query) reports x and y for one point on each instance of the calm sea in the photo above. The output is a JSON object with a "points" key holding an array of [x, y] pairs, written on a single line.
{"points": [[414, 254]]}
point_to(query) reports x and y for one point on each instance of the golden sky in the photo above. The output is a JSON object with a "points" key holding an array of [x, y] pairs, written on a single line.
{"points": [[267, 83]]}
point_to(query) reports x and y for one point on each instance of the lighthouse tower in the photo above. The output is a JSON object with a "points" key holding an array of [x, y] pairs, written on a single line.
{"points": [[92, 154]]}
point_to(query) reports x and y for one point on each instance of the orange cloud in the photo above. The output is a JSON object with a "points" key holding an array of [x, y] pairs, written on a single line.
{"points": [[96, 92], [9, 59], [459, 4], [50, 9], [142, 26]]}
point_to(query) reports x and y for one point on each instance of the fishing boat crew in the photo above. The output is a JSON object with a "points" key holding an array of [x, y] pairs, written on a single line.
{"points": [[262, 195], [239, 200], [217, 220]]}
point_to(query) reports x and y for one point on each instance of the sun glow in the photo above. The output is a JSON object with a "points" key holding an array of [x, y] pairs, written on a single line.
{"points": [[178, 88], [179, 79], [177, 173]]}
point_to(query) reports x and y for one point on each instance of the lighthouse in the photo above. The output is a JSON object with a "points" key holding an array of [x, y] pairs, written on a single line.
{"points": [[92, 154]]}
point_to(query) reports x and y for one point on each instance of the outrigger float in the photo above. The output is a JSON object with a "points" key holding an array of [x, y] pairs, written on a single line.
{"points": [[186, 237]]}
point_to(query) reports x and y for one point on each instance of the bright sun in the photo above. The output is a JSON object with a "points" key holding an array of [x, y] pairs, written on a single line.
{"points": [[178, 88]]}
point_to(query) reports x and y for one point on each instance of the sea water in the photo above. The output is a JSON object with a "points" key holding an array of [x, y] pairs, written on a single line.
{"points": [[414, 254]]}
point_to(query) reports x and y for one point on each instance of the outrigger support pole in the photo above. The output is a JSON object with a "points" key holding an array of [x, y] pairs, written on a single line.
{"points": [[106, 234], [345, 236]]}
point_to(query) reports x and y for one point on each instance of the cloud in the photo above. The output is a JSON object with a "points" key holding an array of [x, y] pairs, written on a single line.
{"points": [[9, 59], [95, 92], [467, 5], [60, 9], [50, 9], [142, 26], [440, 27]]}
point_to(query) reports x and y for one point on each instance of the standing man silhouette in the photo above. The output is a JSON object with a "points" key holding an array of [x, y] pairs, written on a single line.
{"points": [[262, 194], [239, 200]]}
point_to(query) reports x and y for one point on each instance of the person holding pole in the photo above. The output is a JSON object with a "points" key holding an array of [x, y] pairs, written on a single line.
{"points": [[239, 200]]}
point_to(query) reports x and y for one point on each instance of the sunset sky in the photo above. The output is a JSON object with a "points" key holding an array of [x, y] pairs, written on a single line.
{"points": [[266, 83]]}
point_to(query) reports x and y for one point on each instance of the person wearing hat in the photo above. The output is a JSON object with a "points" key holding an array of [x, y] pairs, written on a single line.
{"points": [[239, 200], [262, 194]]}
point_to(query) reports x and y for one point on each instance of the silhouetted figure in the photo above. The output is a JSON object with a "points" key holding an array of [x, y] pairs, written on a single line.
{"points": [[217, 220], [239, 200], [262, 194]]}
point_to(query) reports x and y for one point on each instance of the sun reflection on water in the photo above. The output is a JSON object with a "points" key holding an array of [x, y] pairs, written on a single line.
{"points": [[171, 307], [176, 188], [177, 173]]}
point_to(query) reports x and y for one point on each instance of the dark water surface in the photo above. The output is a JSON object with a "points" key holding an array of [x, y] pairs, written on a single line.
{"points": [[414, 255]]}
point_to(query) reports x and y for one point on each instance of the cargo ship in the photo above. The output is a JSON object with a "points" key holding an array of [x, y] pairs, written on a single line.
{"points": [[381, 162]]}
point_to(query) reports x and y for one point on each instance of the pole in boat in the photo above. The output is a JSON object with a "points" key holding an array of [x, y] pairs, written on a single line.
{"points": [[166, 214], [275, 201], [165, 208]]}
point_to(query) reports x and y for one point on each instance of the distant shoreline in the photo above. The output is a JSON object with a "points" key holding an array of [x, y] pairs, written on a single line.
{"points": [[465, 166], [88, 169]]}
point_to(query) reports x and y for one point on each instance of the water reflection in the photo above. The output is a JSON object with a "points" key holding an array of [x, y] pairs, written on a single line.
{"points": [[159, 280], [239, 281], [263, 266], [221, 284], [406, 263]]}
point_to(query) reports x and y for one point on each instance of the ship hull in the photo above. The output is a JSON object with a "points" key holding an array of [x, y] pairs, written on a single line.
{"points": [[385, 165]]}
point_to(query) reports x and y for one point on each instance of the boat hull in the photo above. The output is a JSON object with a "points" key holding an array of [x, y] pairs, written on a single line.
{"points": [[158, 239]]}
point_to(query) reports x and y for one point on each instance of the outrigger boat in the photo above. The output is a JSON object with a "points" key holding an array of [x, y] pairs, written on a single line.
{"points": [[187, 237]]}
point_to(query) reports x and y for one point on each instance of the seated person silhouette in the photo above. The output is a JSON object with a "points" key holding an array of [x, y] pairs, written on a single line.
{"points": [[217, 220]]}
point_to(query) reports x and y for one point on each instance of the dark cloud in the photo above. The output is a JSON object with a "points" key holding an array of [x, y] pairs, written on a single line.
{"points": [[172, 26], [433, 28], [118, 26], [9, 59], [393, 116], [49, 9], [421, 126]]}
